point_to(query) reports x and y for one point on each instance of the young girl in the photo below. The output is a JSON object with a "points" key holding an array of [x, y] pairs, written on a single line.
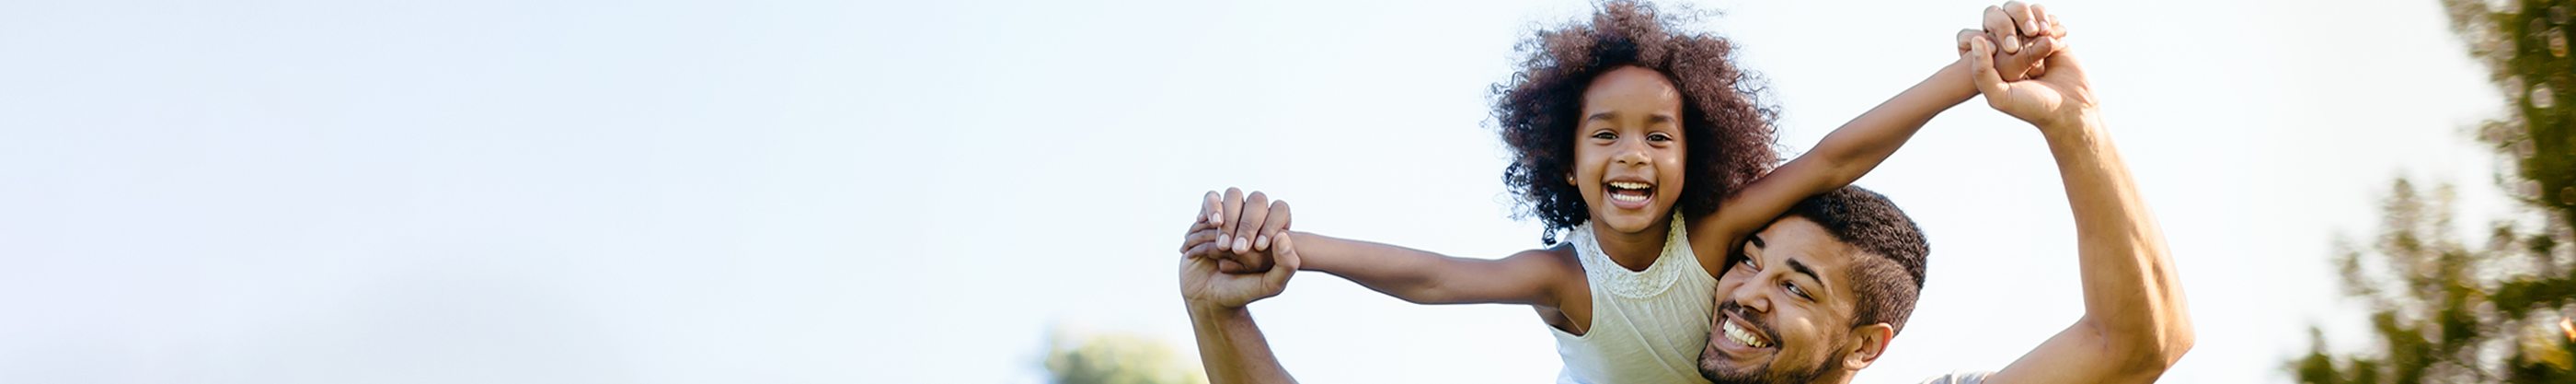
{"points": [[1624, 135]]}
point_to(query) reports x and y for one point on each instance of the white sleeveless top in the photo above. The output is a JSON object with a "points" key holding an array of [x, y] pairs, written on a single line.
{"points": [[1647, 327]]}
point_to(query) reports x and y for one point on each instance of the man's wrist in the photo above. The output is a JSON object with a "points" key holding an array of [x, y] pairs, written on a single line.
{"points": [[1204, 310], [2084, 125]]}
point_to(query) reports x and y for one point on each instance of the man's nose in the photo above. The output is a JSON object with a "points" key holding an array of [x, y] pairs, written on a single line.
{"points": [[1754, 297]]}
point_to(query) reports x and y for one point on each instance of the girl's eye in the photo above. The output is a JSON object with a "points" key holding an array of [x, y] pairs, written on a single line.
{"points": [[1605, 135], [1659, 137]]}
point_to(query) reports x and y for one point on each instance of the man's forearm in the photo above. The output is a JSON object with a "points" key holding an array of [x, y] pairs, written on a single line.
{"points": [[2131, 291], [1232, 348]]}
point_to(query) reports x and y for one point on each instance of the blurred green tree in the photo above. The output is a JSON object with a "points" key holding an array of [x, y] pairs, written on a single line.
{"points": [[2444, 312], [1116, 358]]}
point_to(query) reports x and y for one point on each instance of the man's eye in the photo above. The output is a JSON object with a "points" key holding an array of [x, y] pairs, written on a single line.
{"points": [[1794, 290]]}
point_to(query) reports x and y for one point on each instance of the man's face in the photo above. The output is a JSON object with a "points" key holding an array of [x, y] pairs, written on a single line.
{"points": [[1628, 149], [1784, 309]]}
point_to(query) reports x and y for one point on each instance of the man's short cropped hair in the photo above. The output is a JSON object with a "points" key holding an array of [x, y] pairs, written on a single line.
{"points": [[1888, 275]]}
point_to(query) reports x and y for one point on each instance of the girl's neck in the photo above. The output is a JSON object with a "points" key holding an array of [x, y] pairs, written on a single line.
{"points": [[1633, 251]]}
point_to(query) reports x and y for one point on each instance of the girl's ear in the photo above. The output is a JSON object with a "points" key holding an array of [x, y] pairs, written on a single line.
{"points": [[1569, 178]]}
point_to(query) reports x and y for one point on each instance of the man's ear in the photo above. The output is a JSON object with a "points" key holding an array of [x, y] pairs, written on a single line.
{"points": [[1866, 344]]}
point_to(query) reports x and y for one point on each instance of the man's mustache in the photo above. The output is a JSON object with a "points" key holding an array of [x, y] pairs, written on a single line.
{"points": [[1759, 324]]}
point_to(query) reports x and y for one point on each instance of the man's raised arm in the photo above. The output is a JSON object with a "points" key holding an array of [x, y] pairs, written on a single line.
{"points": [[2135, 323], [1230, 345]]}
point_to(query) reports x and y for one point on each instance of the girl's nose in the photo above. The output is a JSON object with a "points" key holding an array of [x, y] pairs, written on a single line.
{"points": [[1631, 155]]}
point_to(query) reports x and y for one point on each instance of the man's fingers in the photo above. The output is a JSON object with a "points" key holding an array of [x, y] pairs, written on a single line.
{"points": [[2063, 62], [1284, 265], [1273, 227], [2000, 25], [2026, 64], [1256, 209], [1197, 237], [1200, 251]]}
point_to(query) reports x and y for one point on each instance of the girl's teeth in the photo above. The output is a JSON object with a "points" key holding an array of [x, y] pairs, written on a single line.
{"points": [[1627, 197]]}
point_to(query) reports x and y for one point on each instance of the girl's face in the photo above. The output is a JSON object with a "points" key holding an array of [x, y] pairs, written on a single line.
{"points": [[1628, 150]]}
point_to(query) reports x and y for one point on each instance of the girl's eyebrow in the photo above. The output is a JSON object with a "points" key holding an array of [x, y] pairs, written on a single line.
{"points": [[1605, 115]]}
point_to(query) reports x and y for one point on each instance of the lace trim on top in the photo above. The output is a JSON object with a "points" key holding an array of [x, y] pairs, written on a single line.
{"points": [[1606, 273]]}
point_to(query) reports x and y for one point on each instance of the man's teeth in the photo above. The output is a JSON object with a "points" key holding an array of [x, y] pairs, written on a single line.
{"points": [[1741, 336]]}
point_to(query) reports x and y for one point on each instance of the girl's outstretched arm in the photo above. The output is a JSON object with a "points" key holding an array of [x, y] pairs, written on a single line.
{"points": [[1855, 148], [1532, 277], [1844, 155]]}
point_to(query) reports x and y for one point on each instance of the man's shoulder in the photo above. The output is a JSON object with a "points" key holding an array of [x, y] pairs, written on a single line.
{"points": [[1962, 377]]}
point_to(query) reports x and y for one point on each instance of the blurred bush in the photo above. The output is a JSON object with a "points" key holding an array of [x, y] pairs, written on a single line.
{"points": [[2442, 310], [1116, 358]]}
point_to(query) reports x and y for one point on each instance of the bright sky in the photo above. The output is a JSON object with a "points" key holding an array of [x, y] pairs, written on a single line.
{"points": [[731, 191]]}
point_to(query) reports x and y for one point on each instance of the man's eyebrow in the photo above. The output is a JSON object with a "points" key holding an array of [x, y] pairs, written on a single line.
{"points": [[1798, 267]]}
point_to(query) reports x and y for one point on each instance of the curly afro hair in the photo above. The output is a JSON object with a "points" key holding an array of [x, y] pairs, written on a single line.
{"points": [[1725, 124]]}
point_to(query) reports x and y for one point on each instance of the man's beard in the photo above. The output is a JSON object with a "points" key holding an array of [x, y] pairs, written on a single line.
{"points": [[1761, 374]]}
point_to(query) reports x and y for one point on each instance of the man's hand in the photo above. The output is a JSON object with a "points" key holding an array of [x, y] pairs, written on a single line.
{"points": [[2029, 35], [2060, 97], [1203, 285], [1241, 229]]}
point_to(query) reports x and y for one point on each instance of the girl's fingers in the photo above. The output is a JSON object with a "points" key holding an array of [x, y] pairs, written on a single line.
{"points": [[1256, 209], [1999, 24], [2047, 22], [1965, 35], [1232, 207], [1274, 227], [2023, 23], [1210, 206]]}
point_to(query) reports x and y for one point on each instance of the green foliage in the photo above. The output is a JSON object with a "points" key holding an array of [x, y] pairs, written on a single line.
{"points": [[1115, 358], [2444, 312]]}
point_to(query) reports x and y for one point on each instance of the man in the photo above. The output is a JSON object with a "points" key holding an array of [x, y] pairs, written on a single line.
{"points": [[1788, 310]]}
